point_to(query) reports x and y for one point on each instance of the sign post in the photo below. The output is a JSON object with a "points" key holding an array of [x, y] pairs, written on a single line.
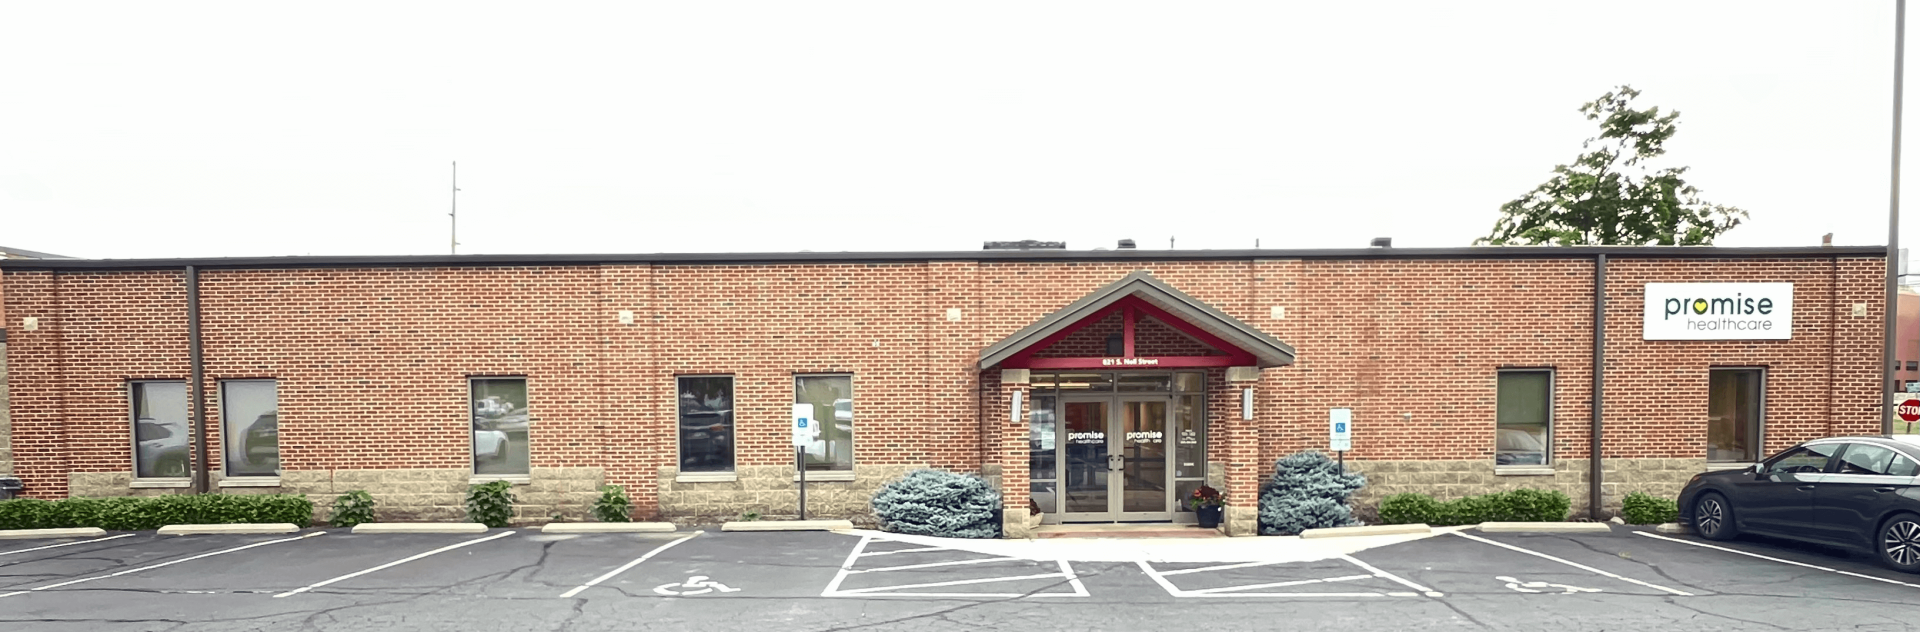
{"points": [[803, 429], [1340, 434]]}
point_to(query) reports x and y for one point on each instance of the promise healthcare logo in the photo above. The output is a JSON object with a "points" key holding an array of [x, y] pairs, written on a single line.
{"points": [[1718, 311]]}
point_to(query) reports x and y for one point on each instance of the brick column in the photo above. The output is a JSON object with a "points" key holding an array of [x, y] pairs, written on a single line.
{"points": [[1010, 430], [1240, 445]]}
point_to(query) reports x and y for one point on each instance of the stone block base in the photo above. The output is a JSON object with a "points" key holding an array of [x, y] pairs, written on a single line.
{"points": [[424, 495], [1447, 480], [771, 493]]}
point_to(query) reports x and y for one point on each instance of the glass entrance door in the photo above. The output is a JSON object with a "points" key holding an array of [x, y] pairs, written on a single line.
{"points": [[1085, 489], [1115, 459], [1140, 438]]}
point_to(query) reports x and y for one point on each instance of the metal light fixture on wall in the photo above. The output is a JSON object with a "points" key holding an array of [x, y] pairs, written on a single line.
{"points": [[1246, 404], [1013, 416]]}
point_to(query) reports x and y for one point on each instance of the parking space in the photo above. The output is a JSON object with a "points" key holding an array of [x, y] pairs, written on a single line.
{"points": [[536, 580]]}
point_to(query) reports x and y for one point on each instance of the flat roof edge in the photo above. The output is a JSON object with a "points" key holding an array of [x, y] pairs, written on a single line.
{"points": [[982, 256]]}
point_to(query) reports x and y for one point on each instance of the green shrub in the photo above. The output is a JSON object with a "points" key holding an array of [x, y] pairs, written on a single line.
{"points": [[1519, 505], [152, 512], [613, 504], [352, 508], [491, 504], [1639, 508], [938, 503], [1307, 491]]}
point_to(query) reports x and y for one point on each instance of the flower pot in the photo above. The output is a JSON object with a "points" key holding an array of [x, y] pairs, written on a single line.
{"points": [[1209, 516]]}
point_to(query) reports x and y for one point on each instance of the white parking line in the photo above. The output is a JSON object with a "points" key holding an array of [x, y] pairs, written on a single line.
{"points": [[388, 565], [1301, 582], [1160, 577], [930, 548], [1392, 577], [154, 566], [625, 567], [859, 550], [55, 546], [1775, 559], [936, 564], [1583, 567]]}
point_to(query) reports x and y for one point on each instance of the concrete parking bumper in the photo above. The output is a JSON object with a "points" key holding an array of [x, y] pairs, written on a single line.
{"points": [[1378, 529], [228, 529], [788, 525], [1545, 527], [420, 527], [22, 534], [609, 527]]}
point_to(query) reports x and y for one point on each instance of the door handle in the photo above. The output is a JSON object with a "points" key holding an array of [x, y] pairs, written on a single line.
{"points": [[1883, 490], [1805, 488]]}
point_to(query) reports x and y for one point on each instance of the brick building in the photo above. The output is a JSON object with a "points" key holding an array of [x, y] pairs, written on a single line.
{"points": [[1137, 374]]}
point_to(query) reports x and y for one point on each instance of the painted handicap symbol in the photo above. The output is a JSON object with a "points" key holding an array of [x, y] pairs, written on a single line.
{"points": [[695, 585], [1534, 587]]}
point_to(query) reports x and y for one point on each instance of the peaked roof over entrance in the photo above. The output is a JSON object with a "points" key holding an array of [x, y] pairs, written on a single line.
{"points": [[1140, 292]]}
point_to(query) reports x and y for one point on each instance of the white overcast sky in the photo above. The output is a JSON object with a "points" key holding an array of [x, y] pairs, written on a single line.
{"points": [[188, 129]]}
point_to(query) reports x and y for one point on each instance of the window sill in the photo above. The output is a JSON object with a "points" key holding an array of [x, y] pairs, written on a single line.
{"points": [[1526, 470], [1740, 465], [479, 479], [161, 483], [706, 477], [840, 476], [251, 481]]}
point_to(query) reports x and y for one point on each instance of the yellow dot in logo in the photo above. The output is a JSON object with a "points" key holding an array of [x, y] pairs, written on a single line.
{"points": [[1699, 306]]}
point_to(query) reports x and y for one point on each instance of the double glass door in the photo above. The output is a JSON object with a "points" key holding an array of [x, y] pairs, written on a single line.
{"points": [[1114, 458]]}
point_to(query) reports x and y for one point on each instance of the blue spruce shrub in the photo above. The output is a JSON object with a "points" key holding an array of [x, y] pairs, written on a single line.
{"points": [[938, 503], [1307, 492]]}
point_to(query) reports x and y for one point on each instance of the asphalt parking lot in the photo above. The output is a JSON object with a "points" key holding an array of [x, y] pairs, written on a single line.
{"points": [[524, 580]]}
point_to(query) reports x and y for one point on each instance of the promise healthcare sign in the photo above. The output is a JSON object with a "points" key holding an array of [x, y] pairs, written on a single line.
{"points": [[1718, 311]]}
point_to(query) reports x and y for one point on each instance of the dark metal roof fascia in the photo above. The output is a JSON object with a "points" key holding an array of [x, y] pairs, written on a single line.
{"points": [[983, 256], [1269, 351]]}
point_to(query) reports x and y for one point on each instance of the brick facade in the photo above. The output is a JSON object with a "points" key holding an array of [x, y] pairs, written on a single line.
{"points": [[372, 363]]}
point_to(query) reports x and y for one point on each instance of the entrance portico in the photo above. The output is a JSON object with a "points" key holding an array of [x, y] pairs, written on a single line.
{"points": [[1115, 423]]}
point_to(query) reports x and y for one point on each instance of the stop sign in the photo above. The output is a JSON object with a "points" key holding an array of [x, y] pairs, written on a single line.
{"points": [[1909, 410]]}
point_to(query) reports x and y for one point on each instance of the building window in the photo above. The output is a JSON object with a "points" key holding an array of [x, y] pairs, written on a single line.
{"points": [[1524, 418], [250, 424], [1913, 366], [500, 423], [706, 423], [1736, 400], [1190, 436], [160, 435], [832, 398]]}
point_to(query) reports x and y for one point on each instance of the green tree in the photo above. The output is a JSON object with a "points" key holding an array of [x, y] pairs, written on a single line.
{"points": [[1610, 195]]}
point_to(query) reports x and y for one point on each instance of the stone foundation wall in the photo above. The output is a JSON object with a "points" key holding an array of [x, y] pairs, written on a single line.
{"points": [[771, 492], [1447, 480], [423, 495]]}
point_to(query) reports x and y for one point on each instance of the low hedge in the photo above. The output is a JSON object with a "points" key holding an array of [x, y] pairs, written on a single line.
{"points": [[140, 513], [1520, 505], [1639, 508]]}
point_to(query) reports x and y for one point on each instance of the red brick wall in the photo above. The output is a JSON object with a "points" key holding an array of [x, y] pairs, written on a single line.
{"points": [[373, 362]]}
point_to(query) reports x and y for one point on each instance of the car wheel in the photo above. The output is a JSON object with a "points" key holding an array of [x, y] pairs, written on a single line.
{"points": [[1900, 543], [1713, 517]]}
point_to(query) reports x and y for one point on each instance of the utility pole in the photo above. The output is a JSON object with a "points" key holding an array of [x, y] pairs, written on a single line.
{"points": [[453, 225], [1893, 223]]}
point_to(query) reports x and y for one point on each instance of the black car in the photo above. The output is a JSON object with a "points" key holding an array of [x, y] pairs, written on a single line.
{"points": [[1855, 492]]}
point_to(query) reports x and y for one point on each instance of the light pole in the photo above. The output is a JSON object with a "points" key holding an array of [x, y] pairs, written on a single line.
{"points": [[1893, 223]]}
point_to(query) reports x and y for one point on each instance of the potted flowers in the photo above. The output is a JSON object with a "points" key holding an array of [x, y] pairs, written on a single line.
{"points": [[1207, 503]]}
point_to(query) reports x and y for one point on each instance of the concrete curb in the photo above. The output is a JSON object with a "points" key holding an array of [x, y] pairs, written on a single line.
{"points": [[609, 527], [1673, 528], [22, 534], [1545, 527], [211, 529], [420, 527], [788, 525], [1379, 529]]}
